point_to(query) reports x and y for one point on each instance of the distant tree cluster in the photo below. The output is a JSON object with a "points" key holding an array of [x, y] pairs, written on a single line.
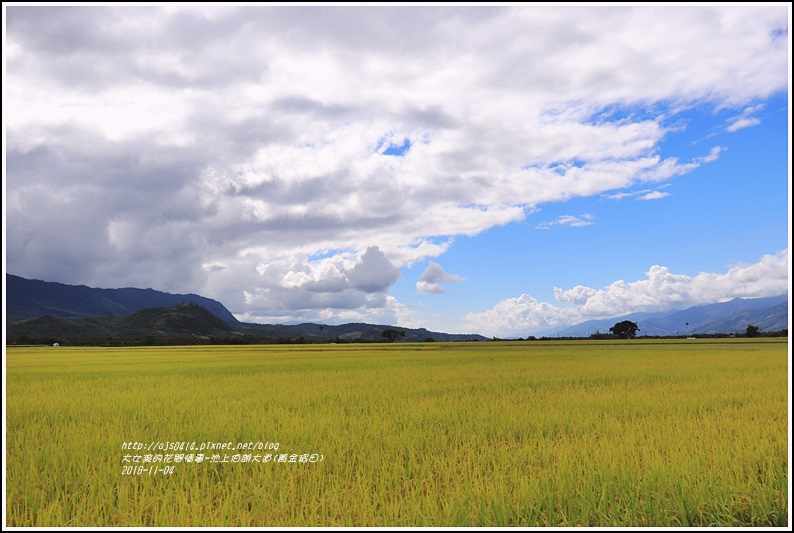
{"points": [[391, 335], [626, 329]]}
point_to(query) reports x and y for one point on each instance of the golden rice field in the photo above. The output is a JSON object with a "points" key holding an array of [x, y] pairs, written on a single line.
{"points": [[632, 433]]}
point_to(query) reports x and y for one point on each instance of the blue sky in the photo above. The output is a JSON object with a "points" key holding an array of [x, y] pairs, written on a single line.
{"points": [[730, 211], [500, 170], [734, 209]]}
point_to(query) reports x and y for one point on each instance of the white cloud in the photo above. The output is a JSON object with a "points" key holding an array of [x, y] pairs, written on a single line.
{"points": [[655, 195], [343, 281], [742, 123], [388, 311], [245, 136], [644, 194], [577, 295], [431, 279], [620, 195], [570, 221], [660, 290], [745, 119], [714, 153], [429, 288]]}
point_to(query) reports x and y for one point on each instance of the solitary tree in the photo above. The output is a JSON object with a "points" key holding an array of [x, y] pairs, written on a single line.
{"points": [[752, 331], [391, 335], [626, 329]]}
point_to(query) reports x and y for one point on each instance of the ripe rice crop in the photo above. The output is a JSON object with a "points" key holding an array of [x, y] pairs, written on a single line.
{"points": [[589, 433]]}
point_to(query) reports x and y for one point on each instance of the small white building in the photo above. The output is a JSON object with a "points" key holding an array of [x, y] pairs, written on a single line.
{"points": [[55, 344]]}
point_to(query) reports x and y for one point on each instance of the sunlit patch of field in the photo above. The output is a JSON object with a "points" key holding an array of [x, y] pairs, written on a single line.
{"points": [[633, 433]]}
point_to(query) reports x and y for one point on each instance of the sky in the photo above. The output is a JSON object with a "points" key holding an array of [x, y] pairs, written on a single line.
{"points": [[504, 170]]}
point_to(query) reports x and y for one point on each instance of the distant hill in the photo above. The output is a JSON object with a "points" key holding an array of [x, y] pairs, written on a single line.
{"points": [[585, 329], [727, 317], [29, 298], [773, 318], [355, 332], [183, 323], [768, 314], [189, 323]]}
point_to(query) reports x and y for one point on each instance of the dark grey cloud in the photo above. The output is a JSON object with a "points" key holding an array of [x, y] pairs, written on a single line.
{"points": [[432, 117], [355, 29], [98, 47], [63, 31], [374, 273], [303, 105], [133, 174], [102, 206], [434, 273]]}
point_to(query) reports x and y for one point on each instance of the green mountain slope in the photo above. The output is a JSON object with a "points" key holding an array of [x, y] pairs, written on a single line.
{"points": [[30, 298], [185, 323]]}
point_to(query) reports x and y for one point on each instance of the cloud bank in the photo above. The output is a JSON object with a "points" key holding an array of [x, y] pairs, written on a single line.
{"points": [[286, 159], [660, 290]]}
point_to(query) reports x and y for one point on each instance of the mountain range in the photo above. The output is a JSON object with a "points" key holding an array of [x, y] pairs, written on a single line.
{"points": [[42, 311], [767, 314], [46, 312], [30, 298]]}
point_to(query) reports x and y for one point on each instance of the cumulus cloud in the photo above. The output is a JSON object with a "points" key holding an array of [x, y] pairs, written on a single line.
{"points": [[660, 290], [431, 279], [343, 281], [374, 272], [577, 295], [198, 144]]}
